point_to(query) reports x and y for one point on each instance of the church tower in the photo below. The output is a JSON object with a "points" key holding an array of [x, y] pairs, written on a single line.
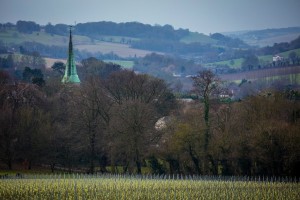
{"points": [[70, 71]]}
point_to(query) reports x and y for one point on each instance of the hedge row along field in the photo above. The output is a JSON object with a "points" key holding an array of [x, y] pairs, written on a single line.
{"points": [[137, 187]]}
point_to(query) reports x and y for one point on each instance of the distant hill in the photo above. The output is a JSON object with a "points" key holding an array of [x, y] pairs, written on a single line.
{"points": [[131, 39], [266, 37]]}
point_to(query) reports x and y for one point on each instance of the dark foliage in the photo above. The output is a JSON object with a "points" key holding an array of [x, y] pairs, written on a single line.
{"points": [[27, 26]]}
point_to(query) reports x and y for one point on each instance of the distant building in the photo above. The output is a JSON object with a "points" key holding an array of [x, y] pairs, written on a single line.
{"points": [[70, 71], [277, 58]]}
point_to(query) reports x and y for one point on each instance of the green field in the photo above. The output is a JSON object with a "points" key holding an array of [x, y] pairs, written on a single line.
{"points": [[13, 36], [197, 37], [105, 44], [234, 63], [290, 75], [119, 187], [237, 63], [127, 64], [122, 50], [270, 40]]}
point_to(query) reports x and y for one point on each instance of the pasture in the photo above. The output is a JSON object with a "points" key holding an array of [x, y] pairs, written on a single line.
{"points": [[75, 186], [126, 64], [197, 37], [291, 74], [106, 44], [15, 37], [122, 50], [237, 63]]}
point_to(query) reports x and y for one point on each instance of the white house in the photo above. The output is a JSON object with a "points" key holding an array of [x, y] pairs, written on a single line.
{"points": [[277, 58]]}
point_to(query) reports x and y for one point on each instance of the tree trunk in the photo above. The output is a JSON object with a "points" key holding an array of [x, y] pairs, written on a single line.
{"points": [[138, 162], [8, 154], [103, 163], [195, 160], [52, 166], [92, 153], [206, 118]]}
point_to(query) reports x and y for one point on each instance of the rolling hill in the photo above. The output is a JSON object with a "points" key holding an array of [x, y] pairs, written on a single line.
{"points": [[267, 37]]}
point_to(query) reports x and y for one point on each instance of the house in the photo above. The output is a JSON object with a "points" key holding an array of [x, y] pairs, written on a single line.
{"points": [[277, 58]]}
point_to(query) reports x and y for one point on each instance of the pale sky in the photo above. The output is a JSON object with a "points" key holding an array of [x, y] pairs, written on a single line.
{"points": [[204, 16]]}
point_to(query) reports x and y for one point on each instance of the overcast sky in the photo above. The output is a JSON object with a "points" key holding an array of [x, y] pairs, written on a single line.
{"points": [[204, 16]]}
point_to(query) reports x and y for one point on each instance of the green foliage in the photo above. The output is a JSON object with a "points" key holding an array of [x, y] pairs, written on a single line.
{"points": [[198, 37], [27, 26], [250, 62], [59, 67], [34, 76]]}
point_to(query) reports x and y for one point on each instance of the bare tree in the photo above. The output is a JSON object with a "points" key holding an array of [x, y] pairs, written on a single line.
{"points": [[91, 112], [13, 99], [139, 101], [206, 85]]}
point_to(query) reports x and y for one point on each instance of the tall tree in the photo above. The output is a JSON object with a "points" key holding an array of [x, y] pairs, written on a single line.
{"points": [[250, 62], [138, 100], [206, 85], [13, 99], [92, 118]]}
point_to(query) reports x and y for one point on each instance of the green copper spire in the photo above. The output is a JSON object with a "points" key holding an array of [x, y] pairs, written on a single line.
{"points": [[70, 72]]}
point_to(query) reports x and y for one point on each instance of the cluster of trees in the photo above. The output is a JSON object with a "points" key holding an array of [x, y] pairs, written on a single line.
{"points": [[228, 41], [280, 47], [163, 66], [155, 38], [15, 64], [130, 29], [110, 121], [7, 62], [119, 121], [27, 26], [52, 51], [252, 62]]}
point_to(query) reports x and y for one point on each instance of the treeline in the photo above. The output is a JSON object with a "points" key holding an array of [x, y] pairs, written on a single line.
{"points": [[155, 38], [266, 33], [123, 122], [130, 29], [281, 47], [175, 48]]}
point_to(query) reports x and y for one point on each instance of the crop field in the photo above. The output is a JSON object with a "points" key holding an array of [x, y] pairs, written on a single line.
{"points": [[121, 50], [291, 74], [237, 63], [144, 187]]}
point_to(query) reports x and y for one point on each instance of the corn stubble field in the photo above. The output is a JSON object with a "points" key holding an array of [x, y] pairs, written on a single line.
{"points": [[145, 187]]}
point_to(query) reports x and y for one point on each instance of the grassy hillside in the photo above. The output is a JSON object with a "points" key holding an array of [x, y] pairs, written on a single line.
{"points": [[127, 64], [121, 50], [198, 37], [289, 74], [262, 42], [267, 37], [106, 44], [15, 37], [237, 63]]}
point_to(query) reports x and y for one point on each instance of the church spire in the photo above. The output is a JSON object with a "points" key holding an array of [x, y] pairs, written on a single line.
{"points": [[70, 71]]}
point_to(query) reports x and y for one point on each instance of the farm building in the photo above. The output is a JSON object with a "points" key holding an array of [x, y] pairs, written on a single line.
{"points": [[277, 58]]}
